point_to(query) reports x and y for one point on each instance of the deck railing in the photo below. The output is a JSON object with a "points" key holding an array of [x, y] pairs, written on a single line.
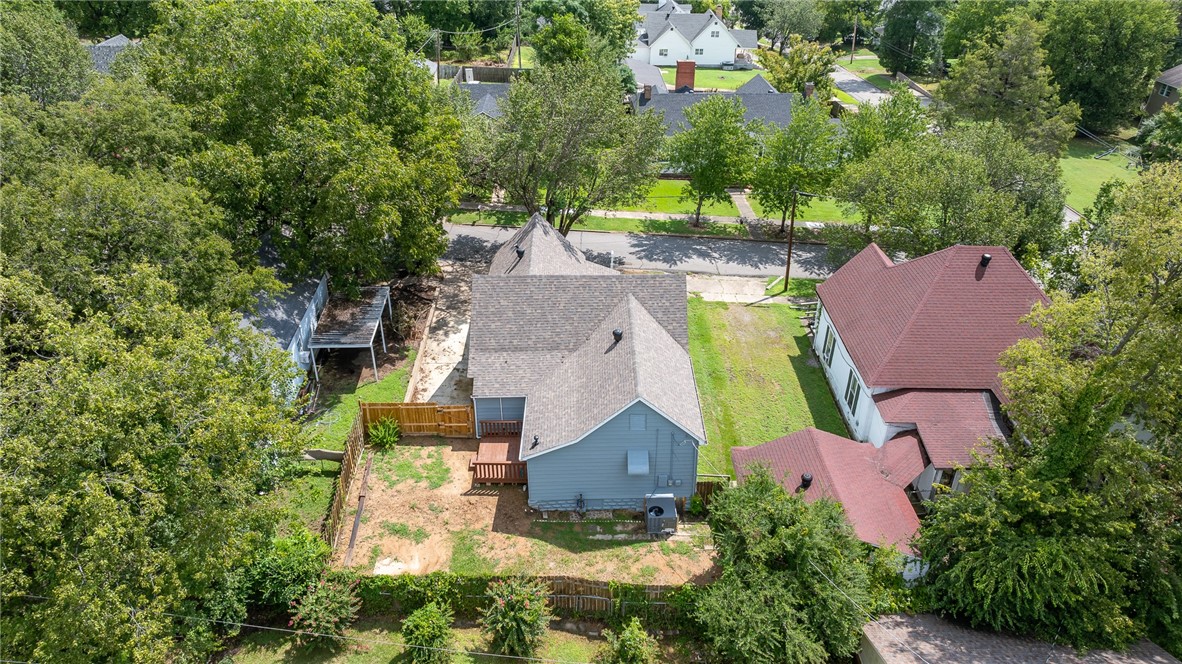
{"points": [[500, 427], [498, 472]]}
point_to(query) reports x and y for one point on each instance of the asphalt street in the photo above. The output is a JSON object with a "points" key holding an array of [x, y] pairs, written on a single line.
{"points": [[708, 255]]}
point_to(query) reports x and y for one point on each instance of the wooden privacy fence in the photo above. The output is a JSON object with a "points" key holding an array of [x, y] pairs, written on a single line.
{"points": [[423, 419], [354, 444]]}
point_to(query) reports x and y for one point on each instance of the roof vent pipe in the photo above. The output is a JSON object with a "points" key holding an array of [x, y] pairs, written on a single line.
{"points": [[618, 334], [806, 480], [519, 250], [985, 258]]}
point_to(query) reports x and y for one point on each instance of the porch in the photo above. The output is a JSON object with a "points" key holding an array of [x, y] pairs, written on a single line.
{"points": [[498, 458]]}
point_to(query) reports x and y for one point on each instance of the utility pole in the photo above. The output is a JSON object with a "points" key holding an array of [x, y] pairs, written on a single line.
{"points": [[438, 64], [517, 36], [854, 43], [791, 234]]}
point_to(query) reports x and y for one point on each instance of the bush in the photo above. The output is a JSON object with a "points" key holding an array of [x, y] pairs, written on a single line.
{"points": [[328, 607], [384, 433], [468, 45], [632, 645], [697, 507], [427, 633], [517, 617], [287, 567]]}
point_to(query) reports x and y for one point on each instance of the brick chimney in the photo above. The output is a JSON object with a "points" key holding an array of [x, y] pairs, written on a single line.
{"points": [[685, 74], [809, 88], [648, 93]]}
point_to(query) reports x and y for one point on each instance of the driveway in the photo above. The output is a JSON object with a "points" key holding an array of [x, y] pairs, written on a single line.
{"points": [[855, 86], [709, 255]]}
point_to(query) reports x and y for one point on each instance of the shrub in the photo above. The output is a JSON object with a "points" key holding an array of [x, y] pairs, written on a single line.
{"points": [[287, 567], [329, 607], [517, 617], [467, 45], [632, 645], [427, 633], [697, 507], [384, 433]]}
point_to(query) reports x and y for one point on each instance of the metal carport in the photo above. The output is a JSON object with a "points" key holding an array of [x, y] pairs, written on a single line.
{"points": [[353, 324]]}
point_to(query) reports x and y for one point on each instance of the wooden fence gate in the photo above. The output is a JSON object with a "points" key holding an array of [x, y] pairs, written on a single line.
{"points": [[423, 419]]}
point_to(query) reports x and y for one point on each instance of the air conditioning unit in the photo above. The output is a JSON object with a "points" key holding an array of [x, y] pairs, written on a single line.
{"points": [[660, 513]]}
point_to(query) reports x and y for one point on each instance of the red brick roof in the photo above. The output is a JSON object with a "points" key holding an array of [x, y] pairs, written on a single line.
{"points": [[867, 481], [939, 321], [951, 422]]}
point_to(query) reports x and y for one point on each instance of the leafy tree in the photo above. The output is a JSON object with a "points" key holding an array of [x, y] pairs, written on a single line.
{"points": [[614, 23], [632, 645], [1105, 53], [286, 568], [325, 611], [790, 17], [134, 448], [1160, 136], [562, 40], [565, 144], [105, 18], [468, 43], [40, 55], [517, 617], [840, 15], [749, 14], [900, 118], [802, 157], [715, 149], [792, 573], [911, 35], [427, 632], [233, 179], [973, 21], [806, 62], [1008, 81], [24, 148], [973, 185], [83, 225]]}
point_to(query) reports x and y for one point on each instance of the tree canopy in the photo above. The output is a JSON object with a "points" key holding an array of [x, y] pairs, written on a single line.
{"points": [[40, 55], [562, 40], [1160, 136], [805, 157], [1007, 81], [781, 18], [806, 62], [715, 149], [972, 21], [911, 35]]}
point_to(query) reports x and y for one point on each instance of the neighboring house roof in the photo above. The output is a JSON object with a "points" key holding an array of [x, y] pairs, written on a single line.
{"points": [[524, 325], [1171, 77], [772, 109], [939, 321], [662, 6], [103, 54], [280, 315], [543, 250], [603, 377], [868, 482], [655, 24], [757, 85], [903, 639], [952, 423], [647, 74], [486, 97], [746, 38]]}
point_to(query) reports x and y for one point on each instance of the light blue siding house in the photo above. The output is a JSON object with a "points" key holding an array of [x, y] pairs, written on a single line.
{"points": [[582, 378]]}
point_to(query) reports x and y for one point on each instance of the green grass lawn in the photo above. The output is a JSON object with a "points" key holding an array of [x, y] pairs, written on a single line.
{"points": [[613, 224], [797, 287], [665, 196], [1083, 174], [845, 97], [862, 66], [331, 427], [757, 378], [819, 209], [711, 78], [529, 58]]}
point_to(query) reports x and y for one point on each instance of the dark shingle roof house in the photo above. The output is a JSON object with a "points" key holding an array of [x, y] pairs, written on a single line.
{"points": [[647, 74], [656, 24], [103, 54], [486, 97], [1171, 77], [757, 85], [669, 6], [869, 482], [903, 639], [592, 366], [773, 109]]}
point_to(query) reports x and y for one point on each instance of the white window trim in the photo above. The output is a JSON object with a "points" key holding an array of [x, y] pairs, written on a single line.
{"points": [[853, 393], [828, 345], [699, 51], [664, 52]]}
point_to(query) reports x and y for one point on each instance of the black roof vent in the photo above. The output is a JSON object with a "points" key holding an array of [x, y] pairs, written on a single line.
{"points": [[519, 250], [617, 334], [806, 480], [985, 258]]}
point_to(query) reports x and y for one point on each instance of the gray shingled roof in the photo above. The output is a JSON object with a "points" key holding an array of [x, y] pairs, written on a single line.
{"points": [[1171, 77], [280, 315], [103, 54], [757, 85], [746, 38], [689, 25], [602, 377], [938, 640], [661, 6], [523, 326], [486, 97], [544, 251], [772, 109], [647, 74]]}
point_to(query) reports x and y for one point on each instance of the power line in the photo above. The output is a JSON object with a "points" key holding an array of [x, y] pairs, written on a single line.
{"points": [[300, 632], [475, 32]]}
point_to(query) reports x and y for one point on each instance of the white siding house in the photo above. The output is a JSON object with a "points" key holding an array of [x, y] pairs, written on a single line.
{"points": [[663, 38]]}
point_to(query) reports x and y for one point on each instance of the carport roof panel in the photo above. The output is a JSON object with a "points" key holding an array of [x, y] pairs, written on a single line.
{"points": [[351, 323]]}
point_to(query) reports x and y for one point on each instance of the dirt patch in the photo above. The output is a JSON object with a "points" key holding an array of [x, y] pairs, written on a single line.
{"points": [[423, 514]]}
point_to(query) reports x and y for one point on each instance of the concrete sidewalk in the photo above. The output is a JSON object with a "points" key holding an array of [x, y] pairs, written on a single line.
{"points": [[736, 195]]}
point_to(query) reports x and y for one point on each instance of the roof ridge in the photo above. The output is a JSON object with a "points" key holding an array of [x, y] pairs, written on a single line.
{"points": [[927, 293]]}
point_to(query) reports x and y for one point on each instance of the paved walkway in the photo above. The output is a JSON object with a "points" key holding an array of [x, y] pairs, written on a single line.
{"points": [[742, 290], [739, 198]]}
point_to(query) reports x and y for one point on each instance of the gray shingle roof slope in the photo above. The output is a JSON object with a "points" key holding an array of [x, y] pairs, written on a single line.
{"points": [[523, 326], [773, 109], [647, 74], [757, 85], [486, 97], [938, 640], [601, 377], [746, 38], [103, 54], [1171, 77], [545, 251], [280, 316], [689, 25]]}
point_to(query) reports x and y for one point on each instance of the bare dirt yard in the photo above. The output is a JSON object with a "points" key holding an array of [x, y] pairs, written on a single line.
{"points": [[422, 514]]}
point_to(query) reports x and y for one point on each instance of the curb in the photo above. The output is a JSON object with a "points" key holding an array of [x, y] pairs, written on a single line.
{"points": [[416, 373]]}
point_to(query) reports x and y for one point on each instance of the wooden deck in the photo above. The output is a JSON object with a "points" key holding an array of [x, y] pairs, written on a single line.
{"points": [[498, 460]]}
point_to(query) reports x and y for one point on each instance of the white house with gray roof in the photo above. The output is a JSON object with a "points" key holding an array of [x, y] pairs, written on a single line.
{"points": [[581, 376], [664, 37]]}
